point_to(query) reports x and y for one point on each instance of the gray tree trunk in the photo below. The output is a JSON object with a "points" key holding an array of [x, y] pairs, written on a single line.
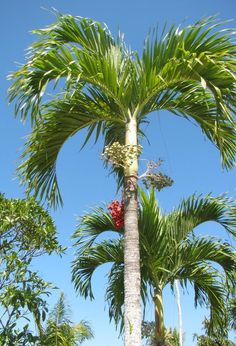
{"points": [[176, 283], [131, 247]]}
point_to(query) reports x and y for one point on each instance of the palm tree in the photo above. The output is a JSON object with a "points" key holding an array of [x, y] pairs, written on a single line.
{"points": [[59, 329], [170, 250], [110, 90]]}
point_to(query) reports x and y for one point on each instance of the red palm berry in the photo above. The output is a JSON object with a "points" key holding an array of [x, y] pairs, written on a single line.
{"points": [[117, 213]]}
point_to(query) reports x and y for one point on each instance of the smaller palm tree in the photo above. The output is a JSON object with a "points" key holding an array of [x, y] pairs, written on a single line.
{"points": [[59, 329], [169, 250]]}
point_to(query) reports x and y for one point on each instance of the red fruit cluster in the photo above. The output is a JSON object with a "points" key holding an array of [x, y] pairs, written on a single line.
{"points": [[117, 213]]}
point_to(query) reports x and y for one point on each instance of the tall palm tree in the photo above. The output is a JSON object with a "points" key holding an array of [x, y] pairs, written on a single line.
{"points": [[170, 250], [110, 90], [59, 329]]}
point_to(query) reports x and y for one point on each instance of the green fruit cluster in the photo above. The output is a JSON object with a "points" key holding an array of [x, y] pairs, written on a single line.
{"points": [[120, 155], [157, 181]]}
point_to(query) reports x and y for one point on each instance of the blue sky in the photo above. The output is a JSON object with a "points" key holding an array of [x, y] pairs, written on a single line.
{"points": [[190, 159]]}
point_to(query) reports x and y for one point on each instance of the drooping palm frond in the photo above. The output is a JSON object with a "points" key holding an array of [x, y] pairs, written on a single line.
{"points": [[115, 294], [197, 261], [91, 225], [196, 104], [77, 49], [61, 119], [209, 250], [83, 331], [93, 69], [232, 313], [197, 210], [202, 52], [209, 292], [89, 259], [191, 72]]}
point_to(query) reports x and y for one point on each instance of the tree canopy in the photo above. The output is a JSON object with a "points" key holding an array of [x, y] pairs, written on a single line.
{"points": [[27, 231], [188, 71]]}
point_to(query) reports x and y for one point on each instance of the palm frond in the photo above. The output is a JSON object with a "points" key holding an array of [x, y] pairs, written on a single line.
{"points": [[91, 225], [61, 311], [196, 104], [207, 251], [86, 262], [83, 331], [153, 233], [79, 51], [115, 294], [209, 292], [196, 210], [59, 329], [191, 72], [55, 334], [197, 262], [61, 119]]}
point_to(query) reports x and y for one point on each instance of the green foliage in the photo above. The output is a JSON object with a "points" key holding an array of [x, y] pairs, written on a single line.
{"points": [[231, 308], [169, 250], [60, 331], [27, 228], [27, 231], [171, 337], [219, 337], [232, 312], [204, 340], [189, 72]]}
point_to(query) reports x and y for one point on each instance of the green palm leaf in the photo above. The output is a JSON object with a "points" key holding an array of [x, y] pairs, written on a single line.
{"points": [[89, 259], [61, 119], [196, 210]]}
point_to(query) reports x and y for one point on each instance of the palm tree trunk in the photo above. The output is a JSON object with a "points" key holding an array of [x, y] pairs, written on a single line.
{"points": [[176, 283], [131, 247], [159, 318]]}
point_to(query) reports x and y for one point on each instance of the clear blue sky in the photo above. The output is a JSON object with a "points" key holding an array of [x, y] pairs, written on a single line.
{"points": [[190, 159]]}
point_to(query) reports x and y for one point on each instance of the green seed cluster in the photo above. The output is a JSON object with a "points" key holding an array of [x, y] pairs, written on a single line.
{"points": [[121, 155], [157, 181]]}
